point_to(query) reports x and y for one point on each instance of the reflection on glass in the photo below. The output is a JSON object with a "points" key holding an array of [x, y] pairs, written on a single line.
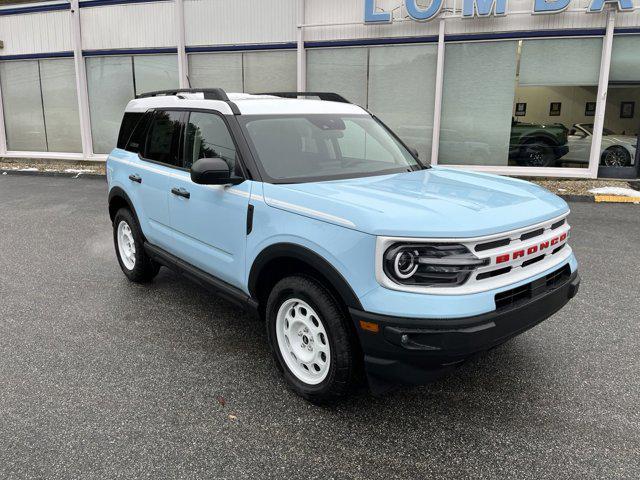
{"points": [[513, 103], [619, 149], [110, 85]]}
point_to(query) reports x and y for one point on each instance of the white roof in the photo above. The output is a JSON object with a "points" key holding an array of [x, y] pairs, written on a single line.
{"points": [[247, 104]]}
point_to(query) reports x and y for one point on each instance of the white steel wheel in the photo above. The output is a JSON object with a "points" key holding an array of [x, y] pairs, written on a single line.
{"points": [[303, 341], [126, 245]]}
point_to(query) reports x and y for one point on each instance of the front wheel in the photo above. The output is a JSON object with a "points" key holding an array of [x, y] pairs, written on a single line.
{"points": [[536, 153], [616, 156], [310, 339]]}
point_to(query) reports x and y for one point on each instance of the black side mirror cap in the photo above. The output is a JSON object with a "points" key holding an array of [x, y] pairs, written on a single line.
{"points": [[213, 171]]}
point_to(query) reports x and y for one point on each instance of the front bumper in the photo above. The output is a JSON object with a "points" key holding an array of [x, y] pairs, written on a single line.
{"points": [[416, 351]]}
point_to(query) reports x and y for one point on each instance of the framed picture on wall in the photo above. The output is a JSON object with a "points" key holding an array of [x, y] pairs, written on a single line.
{"points": [[590, 109], [627, 109], [521, 109], [554, 109]]}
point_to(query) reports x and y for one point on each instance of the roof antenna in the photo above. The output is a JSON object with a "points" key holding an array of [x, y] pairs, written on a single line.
{"points": [[189, 81]]}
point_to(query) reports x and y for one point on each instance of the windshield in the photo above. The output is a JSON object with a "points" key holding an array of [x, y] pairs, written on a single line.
{"points": [[589, 128], [296, 148]]}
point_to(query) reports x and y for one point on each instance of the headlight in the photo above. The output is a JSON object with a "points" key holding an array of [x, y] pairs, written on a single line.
{"points": [[432, 264]]}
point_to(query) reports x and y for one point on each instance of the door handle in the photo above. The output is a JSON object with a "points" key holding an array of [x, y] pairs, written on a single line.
{"points": [[135, 178], [181, 192]]}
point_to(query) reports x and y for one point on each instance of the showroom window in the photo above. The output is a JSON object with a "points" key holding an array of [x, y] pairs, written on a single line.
{"points": [[383, 80], [113, 81], [519, 103], [41, 105], [622, 115], [252, 72]]}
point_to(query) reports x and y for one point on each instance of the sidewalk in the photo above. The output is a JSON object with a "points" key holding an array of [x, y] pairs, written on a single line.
{"points": [[599, 191]]}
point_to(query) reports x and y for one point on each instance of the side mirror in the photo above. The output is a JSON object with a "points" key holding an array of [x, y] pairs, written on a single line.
{"points": [[213, 171], [414, 152]]}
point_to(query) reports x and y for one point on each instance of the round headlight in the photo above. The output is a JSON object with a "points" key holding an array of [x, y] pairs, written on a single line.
{"points": [[405, 263]]}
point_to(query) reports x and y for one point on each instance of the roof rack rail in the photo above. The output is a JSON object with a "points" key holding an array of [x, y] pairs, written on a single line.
{"points": [[209, 93], [326, 96]]}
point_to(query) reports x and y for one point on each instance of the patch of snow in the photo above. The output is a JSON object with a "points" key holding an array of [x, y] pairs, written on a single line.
{"points": [[562, 189], [30, 169], [78, 170], [625, 192]]}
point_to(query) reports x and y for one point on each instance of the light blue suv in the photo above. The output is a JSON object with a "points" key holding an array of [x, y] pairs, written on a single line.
{"points": [[363, 262]]}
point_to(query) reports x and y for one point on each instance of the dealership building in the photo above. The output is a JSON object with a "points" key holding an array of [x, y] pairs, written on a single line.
{"points": [[526, 87]]}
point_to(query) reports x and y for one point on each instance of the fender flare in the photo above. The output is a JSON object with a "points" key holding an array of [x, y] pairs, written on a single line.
{"points": [[319, 263], [118, 192]]}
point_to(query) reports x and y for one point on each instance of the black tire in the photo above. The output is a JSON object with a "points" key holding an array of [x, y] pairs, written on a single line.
{"points": [[341, 377], [536, 153], [616, 156], [144, 269]]}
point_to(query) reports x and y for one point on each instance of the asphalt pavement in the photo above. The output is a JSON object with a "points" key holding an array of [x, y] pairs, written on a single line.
{"points": [[104, 379]]}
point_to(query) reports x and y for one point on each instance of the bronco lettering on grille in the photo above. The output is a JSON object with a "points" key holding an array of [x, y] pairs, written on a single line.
{"points": [[506, 257]]}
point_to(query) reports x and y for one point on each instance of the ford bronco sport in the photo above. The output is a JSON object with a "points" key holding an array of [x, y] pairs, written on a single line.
{"points": [[308, 211]]}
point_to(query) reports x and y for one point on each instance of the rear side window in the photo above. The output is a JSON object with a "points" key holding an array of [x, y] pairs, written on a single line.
{"points": [[136, 139], [163, 138], [129, 122]]}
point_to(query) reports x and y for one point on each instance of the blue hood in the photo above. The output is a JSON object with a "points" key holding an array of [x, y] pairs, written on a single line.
{"points": [[436, 202]]}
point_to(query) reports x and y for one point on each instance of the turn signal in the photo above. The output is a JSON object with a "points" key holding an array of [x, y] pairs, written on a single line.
{"points": [[369, 326]]}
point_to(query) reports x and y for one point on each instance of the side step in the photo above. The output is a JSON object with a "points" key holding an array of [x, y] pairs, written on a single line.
{"points": [[211, 283]]}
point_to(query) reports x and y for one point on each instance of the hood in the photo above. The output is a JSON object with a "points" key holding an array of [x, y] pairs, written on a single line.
{"points": [[623, 139], [436, 202]]}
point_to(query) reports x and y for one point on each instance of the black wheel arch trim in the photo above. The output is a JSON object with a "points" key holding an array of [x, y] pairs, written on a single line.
{"points": [[119, 192], [316, 261]]}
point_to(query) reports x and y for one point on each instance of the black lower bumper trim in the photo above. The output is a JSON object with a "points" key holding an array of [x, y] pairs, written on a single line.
{"points": [[415, 351]]}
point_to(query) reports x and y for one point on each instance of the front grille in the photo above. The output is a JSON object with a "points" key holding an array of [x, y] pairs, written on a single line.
{"points": [[528, 235], [515, 296], [490, 245]]}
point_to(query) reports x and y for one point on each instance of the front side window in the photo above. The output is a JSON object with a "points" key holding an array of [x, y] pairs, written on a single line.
{"points": [[207, 136], [164, 137], [324, 147]]}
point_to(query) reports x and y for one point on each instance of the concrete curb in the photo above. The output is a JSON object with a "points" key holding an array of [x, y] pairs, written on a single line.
{"points": [[92, 176], [578, 198], [100, 176]]}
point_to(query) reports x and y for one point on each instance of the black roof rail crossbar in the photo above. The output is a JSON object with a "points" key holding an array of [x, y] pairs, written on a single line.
{"points": [[209, 93], [326, 96]]}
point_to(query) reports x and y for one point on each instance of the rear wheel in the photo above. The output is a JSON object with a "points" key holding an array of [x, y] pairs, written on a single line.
{"points": [[536, 153], [129, 244], [616, 156], [310, 339]]}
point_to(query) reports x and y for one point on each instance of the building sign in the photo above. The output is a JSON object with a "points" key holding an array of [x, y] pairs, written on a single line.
{"points": [[482, 8]]}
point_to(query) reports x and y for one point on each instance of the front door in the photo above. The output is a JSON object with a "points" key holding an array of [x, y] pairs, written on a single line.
{"points": [[210, 222]]}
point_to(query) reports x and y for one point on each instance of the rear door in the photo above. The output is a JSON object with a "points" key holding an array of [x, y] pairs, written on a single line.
{"points": [[158, 159], [210, 221]]}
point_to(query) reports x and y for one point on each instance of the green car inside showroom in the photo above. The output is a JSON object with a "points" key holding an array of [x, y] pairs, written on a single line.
{"points": [[521, 87]]}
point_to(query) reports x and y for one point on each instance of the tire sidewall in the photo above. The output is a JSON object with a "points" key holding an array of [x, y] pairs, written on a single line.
{"points": [[526, 149], [124, 215], [627, 162], [331, 325]]}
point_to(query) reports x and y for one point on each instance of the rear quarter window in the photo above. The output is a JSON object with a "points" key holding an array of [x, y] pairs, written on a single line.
{"points": [[129, 122]]}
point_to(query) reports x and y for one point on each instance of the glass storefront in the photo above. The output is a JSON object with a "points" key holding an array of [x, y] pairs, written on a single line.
{"points": [[113, 81], [506, 103], [519, 103], [383, 80], [40, 105], [252, 72], [622, 117]]}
